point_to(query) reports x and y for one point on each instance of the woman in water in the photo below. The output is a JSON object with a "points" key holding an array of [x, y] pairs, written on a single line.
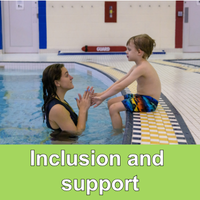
{"points": [[58, 113]]}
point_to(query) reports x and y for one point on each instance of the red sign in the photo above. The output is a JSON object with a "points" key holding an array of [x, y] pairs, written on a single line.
{"points": [[110, 11]]}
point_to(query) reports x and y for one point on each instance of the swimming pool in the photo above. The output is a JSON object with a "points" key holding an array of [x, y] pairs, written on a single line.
{"points": [[21, 119]]}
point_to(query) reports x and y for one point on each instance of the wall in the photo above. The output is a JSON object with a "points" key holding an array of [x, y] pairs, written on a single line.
{"points": [[71, 25]]}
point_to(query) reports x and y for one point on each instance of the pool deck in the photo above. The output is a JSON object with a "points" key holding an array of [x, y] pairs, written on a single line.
{"points": [[177, 118]]}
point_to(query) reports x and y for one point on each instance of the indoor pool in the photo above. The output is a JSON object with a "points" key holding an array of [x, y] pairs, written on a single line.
{"points": [[21, 120]]}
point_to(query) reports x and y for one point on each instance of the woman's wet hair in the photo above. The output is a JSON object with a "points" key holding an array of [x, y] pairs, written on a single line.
{"points": [[143, 42], [50, 74]]}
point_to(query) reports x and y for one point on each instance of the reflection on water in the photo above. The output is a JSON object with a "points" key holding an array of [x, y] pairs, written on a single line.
{"points": [[62, 137]]}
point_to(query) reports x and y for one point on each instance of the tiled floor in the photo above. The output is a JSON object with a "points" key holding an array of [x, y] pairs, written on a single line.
{"points": [[180, 84]]}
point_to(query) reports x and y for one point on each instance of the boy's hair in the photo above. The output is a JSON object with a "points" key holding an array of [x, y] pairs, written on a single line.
{"points": [[143, 42]]}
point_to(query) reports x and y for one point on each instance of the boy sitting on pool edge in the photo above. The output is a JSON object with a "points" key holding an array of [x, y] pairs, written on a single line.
{"points": [[139, 48]]}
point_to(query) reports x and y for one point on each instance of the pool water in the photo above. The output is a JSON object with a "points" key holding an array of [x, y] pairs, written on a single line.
{"points": [[21, 120]]}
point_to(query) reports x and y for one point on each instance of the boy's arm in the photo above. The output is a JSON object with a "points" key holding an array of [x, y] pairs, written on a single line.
{"points": [[118, 81], [134, 75]]}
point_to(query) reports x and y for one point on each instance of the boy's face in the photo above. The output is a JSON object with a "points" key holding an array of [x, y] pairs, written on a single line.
{"points": [[131, 51]]}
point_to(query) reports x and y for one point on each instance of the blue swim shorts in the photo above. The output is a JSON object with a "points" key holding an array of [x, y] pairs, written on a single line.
{"points": [[139, 103]]}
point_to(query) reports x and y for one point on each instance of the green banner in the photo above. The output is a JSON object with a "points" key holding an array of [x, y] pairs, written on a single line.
{"points": [[99, 171]]}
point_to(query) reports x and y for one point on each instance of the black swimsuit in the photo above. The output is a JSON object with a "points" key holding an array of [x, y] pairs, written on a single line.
{"points": [[55, 101]]}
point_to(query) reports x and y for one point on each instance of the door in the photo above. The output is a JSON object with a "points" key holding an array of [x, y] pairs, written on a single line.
{"points": [[20, 26], [191, 26]]}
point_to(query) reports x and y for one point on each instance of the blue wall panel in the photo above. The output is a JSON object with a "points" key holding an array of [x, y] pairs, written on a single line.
{"points": [[1, 41], [42, 25]]}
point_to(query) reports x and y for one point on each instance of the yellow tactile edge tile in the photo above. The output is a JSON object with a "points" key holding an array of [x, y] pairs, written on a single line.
{"points": [[189, 69], [156, 127]]}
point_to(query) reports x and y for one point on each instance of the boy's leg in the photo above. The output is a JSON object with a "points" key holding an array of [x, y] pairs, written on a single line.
{"points": [[114, 110], [115, 100]]}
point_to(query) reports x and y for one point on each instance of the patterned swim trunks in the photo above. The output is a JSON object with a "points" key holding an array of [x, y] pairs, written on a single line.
{"points": [[139, 103]]}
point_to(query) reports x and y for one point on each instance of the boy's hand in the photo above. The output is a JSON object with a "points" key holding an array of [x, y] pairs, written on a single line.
{"points": [[97, 94], [97, 101]]}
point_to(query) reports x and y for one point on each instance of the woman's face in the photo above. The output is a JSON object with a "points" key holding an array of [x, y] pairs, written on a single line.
{"points": [[65, 81]]}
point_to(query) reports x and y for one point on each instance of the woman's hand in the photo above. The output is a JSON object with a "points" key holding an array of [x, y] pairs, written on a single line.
{"points": [[84, 102], [91, 90], [91, 94]]}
